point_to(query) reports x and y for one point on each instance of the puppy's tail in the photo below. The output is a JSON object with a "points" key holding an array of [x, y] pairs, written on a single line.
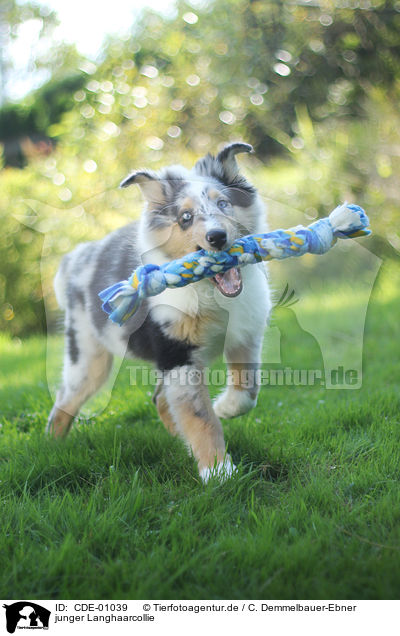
{"points": [[60, 283]]}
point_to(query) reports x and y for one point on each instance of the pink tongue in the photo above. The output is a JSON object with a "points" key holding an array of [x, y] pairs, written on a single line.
{"points": [[229, 283]]}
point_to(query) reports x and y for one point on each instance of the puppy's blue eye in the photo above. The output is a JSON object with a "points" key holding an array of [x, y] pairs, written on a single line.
{"points": [[186, 216], [222, 204]]}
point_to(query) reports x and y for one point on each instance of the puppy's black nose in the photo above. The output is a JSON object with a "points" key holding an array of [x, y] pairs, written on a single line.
{"points": [[216, 238]]}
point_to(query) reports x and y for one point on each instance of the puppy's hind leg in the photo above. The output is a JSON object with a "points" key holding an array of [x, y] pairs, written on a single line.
{"points": [[86, 367]]}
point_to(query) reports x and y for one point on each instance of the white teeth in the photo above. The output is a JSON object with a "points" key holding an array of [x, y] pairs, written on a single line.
{"points": [[229, 283]]}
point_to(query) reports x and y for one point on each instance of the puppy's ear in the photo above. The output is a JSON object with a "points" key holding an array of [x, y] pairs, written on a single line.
{"points": [[227, 157], [149, 183]]}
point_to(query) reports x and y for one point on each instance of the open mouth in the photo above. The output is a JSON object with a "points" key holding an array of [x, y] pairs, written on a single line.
{"points": [[230, 283]]}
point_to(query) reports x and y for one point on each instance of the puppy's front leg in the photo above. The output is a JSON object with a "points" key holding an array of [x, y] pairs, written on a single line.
{"points": [[190, 406], [241, 393], [160, 400]]}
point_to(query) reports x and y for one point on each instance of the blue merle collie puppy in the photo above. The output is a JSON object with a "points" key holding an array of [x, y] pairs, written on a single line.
{"points": [[181, 330]]}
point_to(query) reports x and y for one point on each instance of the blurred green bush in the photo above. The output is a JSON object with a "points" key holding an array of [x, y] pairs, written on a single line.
{"points": [[314, 88]]}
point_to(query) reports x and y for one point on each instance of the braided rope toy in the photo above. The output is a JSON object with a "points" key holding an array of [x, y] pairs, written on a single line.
{"points": [[122, 299]]}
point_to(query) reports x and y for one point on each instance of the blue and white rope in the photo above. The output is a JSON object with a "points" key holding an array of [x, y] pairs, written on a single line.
{"points": [[122, 299]]}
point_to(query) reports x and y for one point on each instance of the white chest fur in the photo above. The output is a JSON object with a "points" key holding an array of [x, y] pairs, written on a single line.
{"points": [[201, 314]]}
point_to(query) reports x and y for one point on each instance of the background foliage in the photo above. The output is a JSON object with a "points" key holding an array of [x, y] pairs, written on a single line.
{"points": [[314, 86]]}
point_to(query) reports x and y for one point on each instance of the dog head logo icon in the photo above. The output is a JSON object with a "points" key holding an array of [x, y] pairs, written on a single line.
{"points": [[26, 615]]}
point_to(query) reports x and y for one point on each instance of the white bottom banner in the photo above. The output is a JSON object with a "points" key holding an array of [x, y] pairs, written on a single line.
{"points": [[149, 617]]}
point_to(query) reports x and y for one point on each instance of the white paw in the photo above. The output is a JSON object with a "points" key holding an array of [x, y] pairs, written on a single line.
{"points": [[223, 470], [233, 402]]}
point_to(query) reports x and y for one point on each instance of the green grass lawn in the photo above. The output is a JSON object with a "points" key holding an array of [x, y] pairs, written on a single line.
{"points": [[118, 511]]}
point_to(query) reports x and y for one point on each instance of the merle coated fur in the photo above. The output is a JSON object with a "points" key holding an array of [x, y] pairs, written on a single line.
{"points": [[170, 330]]}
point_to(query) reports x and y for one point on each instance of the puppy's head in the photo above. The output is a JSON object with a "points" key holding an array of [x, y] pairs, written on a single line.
{"points": [[207, 207]]}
